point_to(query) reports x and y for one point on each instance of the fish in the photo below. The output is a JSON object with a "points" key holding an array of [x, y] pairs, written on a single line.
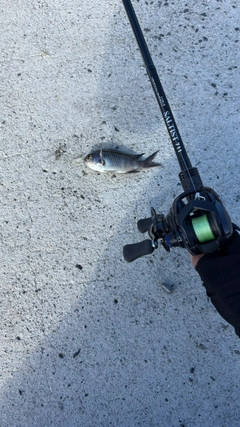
{"points": [[117, 161]]}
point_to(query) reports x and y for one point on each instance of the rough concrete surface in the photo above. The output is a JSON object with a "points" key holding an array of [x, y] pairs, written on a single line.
{"points": [[87, 339]]}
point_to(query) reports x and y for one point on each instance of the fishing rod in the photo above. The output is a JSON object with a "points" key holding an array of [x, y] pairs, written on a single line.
{"points": [[197, 220]]}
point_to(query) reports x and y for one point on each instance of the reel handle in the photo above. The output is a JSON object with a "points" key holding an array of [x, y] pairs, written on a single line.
{"points": [[137, 250]]}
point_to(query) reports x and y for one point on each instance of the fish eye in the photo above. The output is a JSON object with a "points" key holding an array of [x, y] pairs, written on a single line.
{"points": [[89, 156]]}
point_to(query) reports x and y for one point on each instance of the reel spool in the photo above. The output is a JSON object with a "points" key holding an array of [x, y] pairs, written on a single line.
{"points": [[202, 229]]}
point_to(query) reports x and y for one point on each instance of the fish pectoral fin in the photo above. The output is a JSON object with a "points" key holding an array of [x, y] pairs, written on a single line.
{"points": [[101, 158]]}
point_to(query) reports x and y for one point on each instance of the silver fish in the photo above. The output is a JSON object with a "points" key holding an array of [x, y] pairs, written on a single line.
{"points": [[116, 161]]}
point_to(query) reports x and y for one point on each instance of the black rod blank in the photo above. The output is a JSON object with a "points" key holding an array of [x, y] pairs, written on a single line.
{"points": [[174, 134]]}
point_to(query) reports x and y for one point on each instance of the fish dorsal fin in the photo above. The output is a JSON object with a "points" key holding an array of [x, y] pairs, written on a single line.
{"points": [[101, 157], [137, 156]]}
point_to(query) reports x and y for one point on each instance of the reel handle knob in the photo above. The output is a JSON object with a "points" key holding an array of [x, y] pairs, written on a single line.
{"points": [[144, 224], [137, 250]]}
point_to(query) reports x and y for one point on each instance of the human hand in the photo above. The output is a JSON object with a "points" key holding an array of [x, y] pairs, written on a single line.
{"points": [[220, 274], [195, 259]]}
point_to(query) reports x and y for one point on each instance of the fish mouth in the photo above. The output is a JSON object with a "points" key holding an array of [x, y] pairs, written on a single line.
{"points": [[77, 160]]}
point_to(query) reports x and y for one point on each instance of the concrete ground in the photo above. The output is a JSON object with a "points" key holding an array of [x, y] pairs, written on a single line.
{"points": [[87, 339]]}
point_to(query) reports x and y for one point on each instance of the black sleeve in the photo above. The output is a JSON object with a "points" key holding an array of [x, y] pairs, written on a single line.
{"points": [[220, 273]]}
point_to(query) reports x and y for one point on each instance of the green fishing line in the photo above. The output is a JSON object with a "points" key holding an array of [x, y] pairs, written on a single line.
{"points": [[202, 229]]}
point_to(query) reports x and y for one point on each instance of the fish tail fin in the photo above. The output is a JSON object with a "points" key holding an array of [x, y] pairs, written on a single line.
{"points": [[148, 162]]}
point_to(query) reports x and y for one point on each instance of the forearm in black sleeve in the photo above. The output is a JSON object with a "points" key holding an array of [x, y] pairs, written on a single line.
{"points": [[220, 273]]}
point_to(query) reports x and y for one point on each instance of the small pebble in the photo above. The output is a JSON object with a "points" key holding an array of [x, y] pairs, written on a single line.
{"points": [[76, 353], [167, 287]]}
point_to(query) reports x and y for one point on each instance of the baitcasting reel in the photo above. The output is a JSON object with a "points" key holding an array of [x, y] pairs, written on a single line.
{"points": [[197, 220], [201, 224]]}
